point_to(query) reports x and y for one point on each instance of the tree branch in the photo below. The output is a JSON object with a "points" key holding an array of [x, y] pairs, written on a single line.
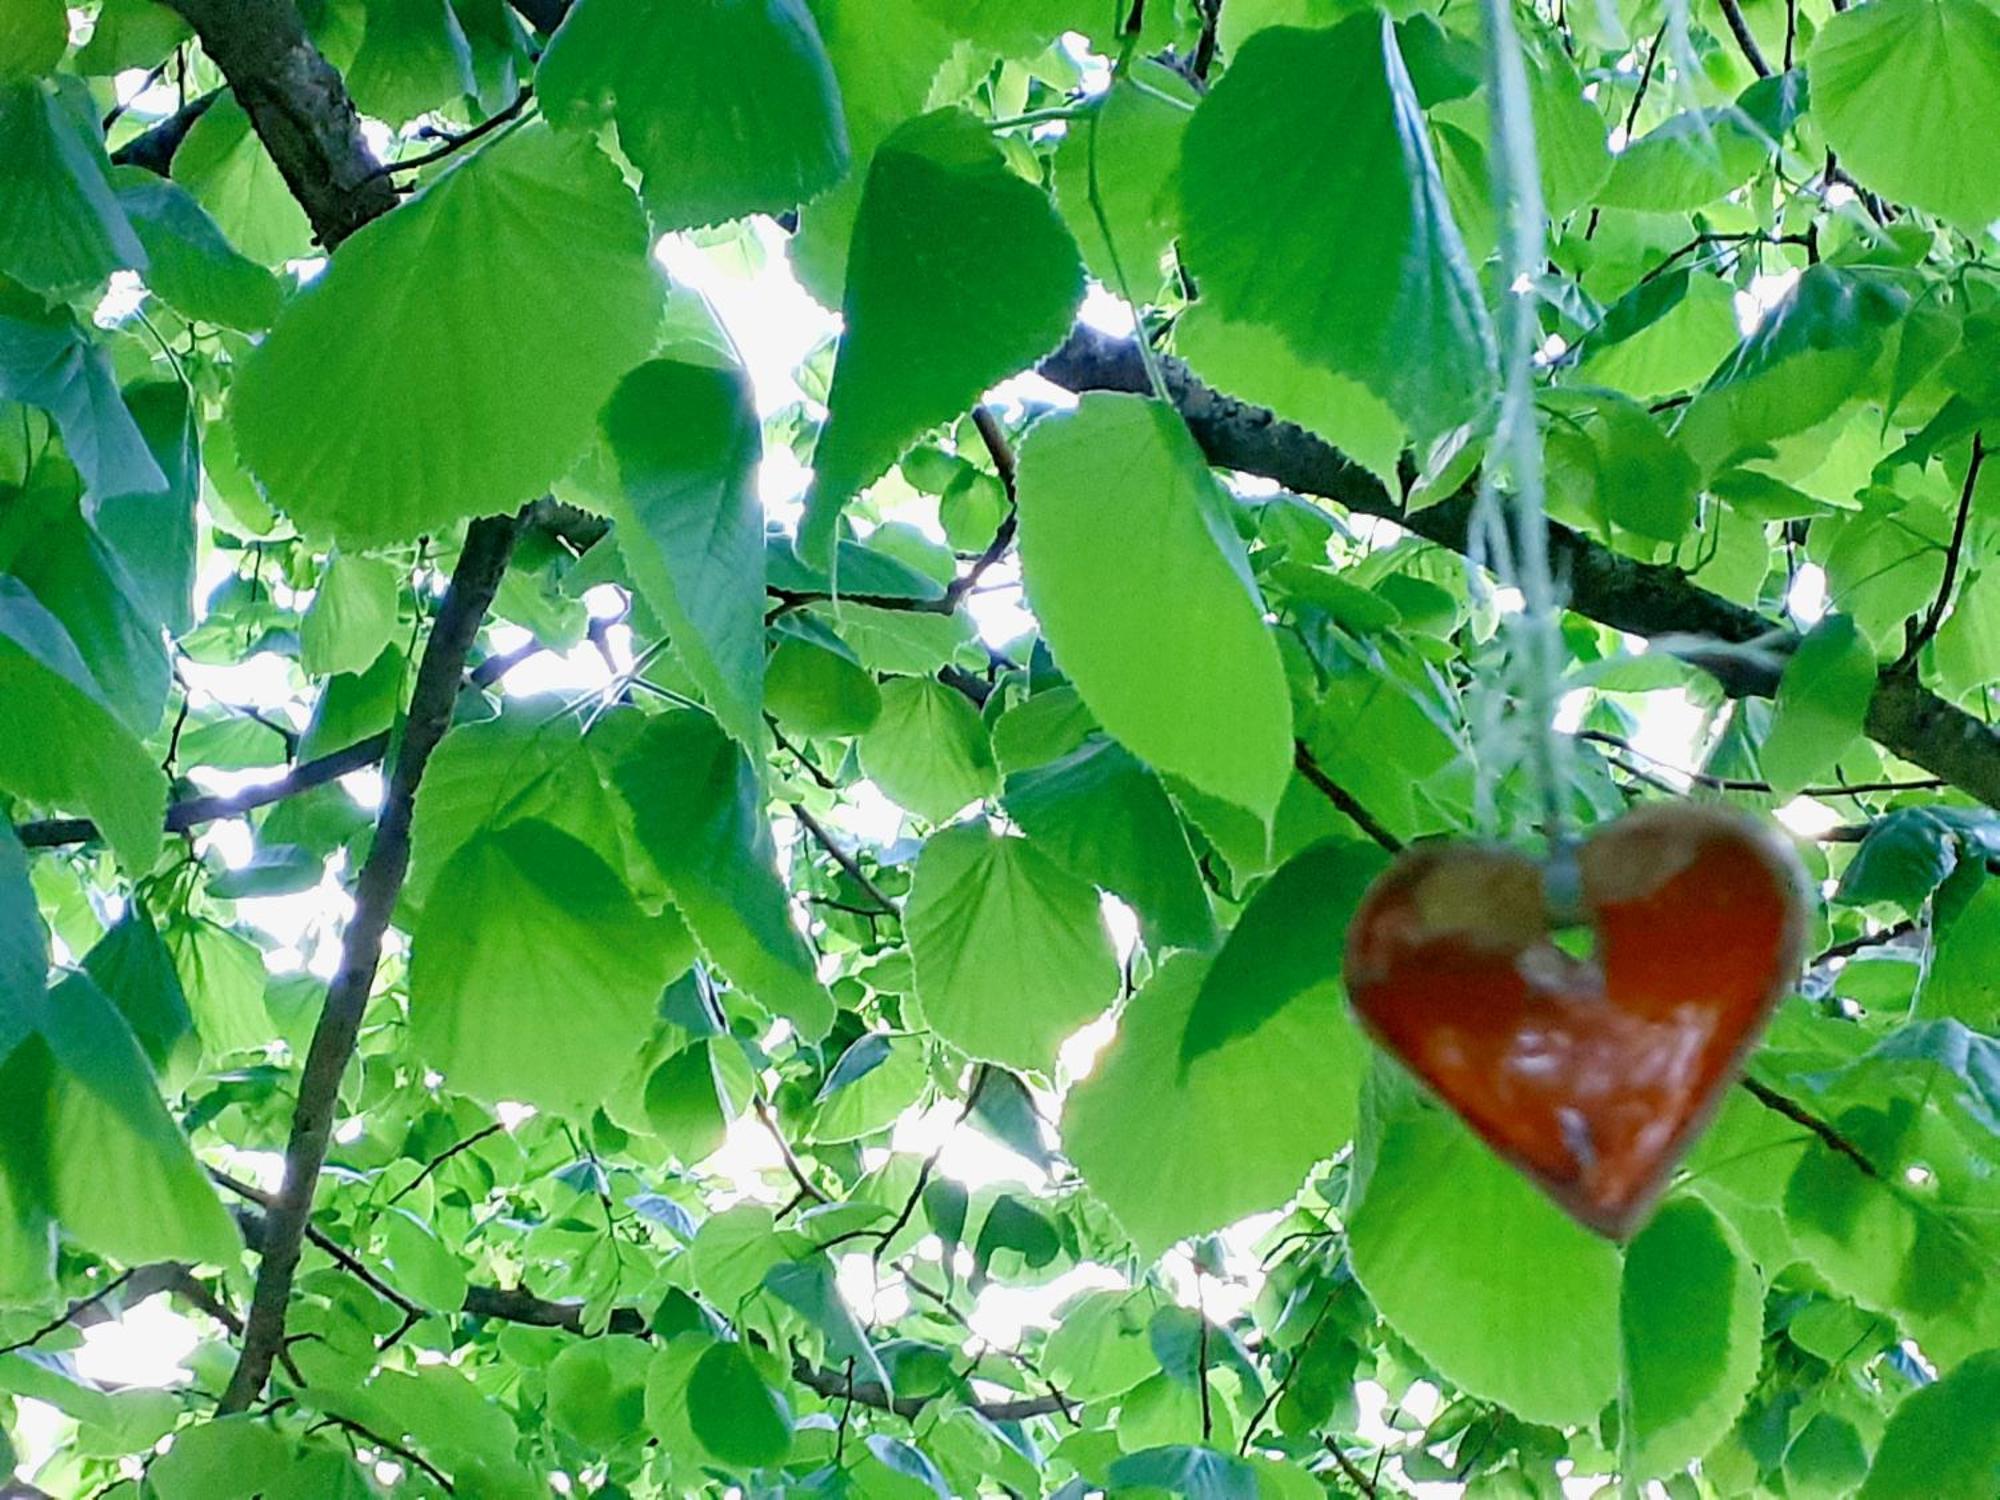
{"points": [[488, 544], [1732, 12], [1343, 799], [842, 858], [299, 107], [50, 833], [1741, 648], [1934, 616], [154, 147]]}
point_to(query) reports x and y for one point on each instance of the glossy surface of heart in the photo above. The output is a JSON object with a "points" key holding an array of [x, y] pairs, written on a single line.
{"points": [[1592, 1074]]}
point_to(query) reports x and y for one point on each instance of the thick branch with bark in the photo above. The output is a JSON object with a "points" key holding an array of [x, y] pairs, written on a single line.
{"points": [[1747, 650], [488, 545], [299, 107]]}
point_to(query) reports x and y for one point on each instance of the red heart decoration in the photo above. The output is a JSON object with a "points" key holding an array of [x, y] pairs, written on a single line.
{"points": [[1592, 1076]]}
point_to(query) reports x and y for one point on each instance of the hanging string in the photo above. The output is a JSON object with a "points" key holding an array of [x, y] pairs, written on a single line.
{"points": [[1520, 554]]}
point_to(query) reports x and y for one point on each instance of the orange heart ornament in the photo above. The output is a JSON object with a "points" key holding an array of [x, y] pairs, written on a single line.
{"points": [[1592, 1075]]}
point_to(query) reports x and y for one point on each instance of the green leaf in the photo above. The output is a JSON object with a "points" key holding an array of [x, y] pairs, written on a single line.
{"points": [[413, 57], [421, 1264], [80, 582], [189, 262], [34, 34], [1503, 1294], [1254, 362], [355, 705], [1311, 140], [727, 108], [1942, 1440], [352, 615], [86, 1126], [1234, 1133], [1963, 978], [947, 241], [1609, 457], [152, 535], [1899, 1254], [1134, 139], [61, 743], [698, 812], [687, 443], [875, 1081], [517, 282], [813, 689], [529, 762], [1011, 952], [129, 34], [220, 1460], [1806, 359], [1288, 941], [222, 974], [227, 169], [1105, 818], [1821, 706], [24, 941], [1908, 93], [135, 972], [1691, 1315], [1188, 677], [525, 925], [684, 1106], [597, 1390], [48, 360], [1905, 856], [928, 749], [1686, 163], [61, 229], [737, 1417]]}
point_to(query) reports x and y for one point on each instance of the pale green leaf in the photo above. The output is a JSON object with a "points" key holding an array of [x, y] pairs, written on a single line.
{"points": [[227, 169], [698, 811], [533, 973], [597, 1389], [514, 289], [1908, 93], [1232, 1135], [1821, 705], [352, 615], [1312, 140], [687, 444], [928, 749], [1253, 361], [1145, 597], [959, 275], [1506, 1296], [1011, 952], [1130, 148], [727, 107], [1691, 1319], [1105, 818]]}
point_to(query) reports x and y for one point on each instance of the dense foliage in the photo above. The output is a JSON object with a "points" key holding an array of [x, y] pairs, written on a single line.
{"points": [[882, 1034]]}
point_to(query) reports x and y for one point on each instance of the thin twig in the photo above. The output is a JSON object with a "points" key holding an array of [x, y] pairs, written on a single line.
{"points": [[442, 1157], [1798, 1114], [841, 857], [1341, 798], [459, 141], [69, 1315], [1352, 1470], [1732, 12], [387, 1445], [50, 833], [798, 1173], [1934, 617], [1742, 784], [1862, 944]]}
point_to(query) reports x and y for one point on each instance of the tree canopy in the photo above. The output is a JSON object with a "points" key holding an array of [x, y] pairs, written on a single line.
{"points": [[601, 895]]}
